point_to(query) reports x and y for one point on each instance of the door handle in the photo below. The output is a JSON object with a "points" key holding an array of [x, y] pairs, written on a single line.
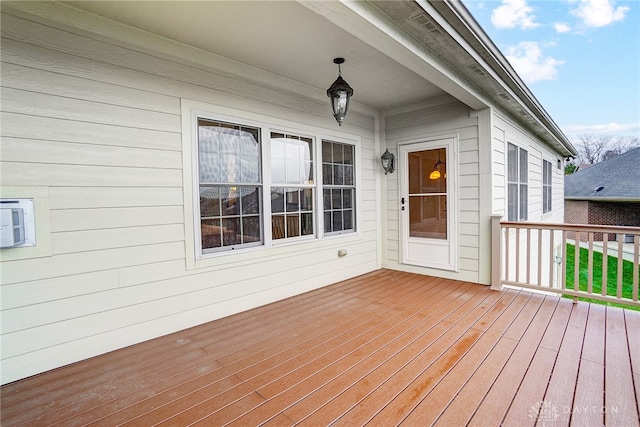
{"points": [[402, 200]]}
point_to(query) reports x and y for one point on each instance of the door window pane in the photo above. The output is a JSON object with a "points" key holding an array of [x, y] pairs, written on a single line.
{"points": [[428, 193]]}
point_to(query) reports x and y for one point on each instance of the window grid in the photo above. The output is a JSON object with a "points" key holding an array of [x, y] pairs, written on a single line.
{"points": [[231, 191], [517, 183], [546, 186], [292, 186], [338, 187], [229, 170]]}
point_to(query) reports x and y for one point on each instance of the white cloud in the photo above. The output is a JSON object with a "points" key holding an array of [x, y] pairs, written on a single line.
{"points": [[561, 27], [529, 63], [599, 13], [512, 14]]}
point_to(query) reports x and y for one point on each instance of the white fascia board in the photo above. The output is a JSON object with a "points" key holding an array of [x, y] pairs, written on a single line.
{"points": [[359, 19]]}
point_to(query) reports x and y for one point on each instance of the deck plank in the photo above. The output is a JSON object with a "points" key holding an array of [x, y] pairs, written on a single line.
{"points": [[620, 406], [521, 312], [380, 398], [383, 348]]}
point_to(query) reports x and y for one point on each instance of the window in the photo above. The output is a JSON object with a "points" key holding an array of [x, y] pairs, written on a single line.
{"points": [[338, 187], [229, 163], [292, 186], [517, 183], [258, 186], [546, 186]]}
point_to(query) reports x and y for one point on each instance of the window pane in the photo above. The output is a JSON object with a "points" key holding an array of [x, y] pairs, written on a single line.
{"points": [[209, 201], [306, 224], [327, 152], [228, 153], [347, 199], [277, 227], [231, 231], [327, 222], [278, 171], [327, 199], [348, 220], [293, 225], [250, 229], [513, 202], [277, 199], [348, 154], [306, 203], [337, 153], [230, 201], [250, 200], [338, 175], [524, 199], [337, 221], [348, 175], [292, 199], [512, 163], [523, 166], [211, 233], [327, 174], [336, 199]]}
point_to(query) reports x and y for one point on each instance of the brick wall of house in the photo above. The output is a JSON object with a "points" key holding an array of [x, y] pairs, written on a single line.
{"points": [[576, 212], [614, 213], [603, 213]]}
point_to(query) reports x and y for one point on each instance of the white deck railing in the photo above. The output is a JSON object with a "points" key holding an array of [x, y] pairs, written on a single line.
{"points": [[534, 256]]}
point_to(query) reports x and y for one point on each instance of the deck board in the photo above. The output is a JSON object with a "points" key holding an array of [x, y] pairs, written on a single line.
{"points": [[384, 348]]}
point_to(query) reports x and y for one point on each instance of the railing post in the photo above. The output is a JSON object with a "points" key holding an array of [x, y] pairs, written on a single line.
{"points": [[496, 252]]}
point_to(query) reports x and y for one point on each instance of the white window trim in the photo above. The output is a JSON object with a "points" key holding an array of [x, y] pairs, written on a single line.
{"points": [[190, 111], [507, 182], [550, 185]]}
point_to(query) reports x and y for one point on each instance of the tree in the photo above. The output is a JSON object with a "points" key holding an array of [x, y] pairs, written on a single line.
{"points": [[595, 148], [570, 168]]}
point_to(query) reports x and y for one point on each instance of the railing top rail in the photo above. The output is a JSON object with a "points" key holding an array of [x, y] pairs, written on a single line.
{"points": [[572, 227]]}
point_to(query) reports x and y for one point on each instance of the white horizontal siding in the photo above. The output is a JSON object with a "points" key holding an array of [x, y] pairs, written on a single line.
{"points": [[505, 131], [99, 126]]}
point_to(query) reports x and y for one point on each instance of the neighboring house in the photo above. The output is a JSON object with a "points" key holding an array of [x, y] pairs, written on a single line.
{"points": [[606, 193], [184, 164]]}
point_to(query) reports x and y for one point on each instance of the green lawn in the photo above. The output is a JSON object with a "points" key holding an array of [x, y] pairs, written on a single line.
{"points": [[612, 276]]}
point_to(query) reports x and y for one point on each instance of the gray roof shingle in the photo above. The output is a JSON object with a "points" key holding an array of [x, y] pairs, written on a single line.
{"points": [[616, 179]]}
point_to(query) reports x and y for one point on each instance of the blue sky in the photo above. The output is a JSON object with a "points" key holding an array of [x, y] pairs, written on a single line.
{"points": [[580, 58]]}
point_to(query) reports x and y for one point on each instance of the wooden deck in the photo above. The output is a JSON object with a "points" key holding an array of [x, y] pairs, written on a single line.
{"points": [[385, 348]]}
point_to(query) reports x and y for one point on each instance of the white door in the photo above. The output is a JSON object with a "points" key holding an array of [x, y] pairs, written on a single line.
{"points": [[427, 204]]}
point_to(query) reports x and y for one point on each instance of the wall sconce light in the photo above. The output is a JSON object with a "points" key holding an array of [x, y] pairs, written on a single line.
{"points": [[388, 162], [435, 174], [340, 93]]}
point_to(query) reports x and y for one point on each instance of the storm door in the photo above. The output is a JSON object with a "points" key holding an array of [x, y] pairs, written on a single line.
{"points": [[427, 204]]}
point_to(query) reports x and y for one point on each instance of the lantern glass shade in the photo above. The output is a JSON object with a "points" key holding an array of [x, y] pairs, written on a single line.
{"points": [[340, 93], [388, 162], [435, 174]]}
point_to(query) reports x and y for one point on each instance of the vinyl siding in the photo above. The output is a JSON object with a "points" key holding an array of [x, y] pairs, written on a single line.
{"points": [[98, 125], [505, 131]]}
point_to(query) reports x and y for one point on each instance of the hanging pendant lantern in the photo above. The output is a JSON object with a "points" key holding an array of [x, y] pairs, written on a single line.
{"points": [[340, 93]]}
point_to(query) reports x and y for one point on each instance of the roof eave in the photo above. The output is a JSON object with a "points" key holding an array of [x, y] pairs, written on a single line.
{"points": [[468, 28]]}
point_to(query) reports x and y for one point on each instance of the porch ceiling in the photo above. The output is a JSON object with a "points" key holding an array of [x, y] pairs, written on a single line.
{"points": [[284, 38]]}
